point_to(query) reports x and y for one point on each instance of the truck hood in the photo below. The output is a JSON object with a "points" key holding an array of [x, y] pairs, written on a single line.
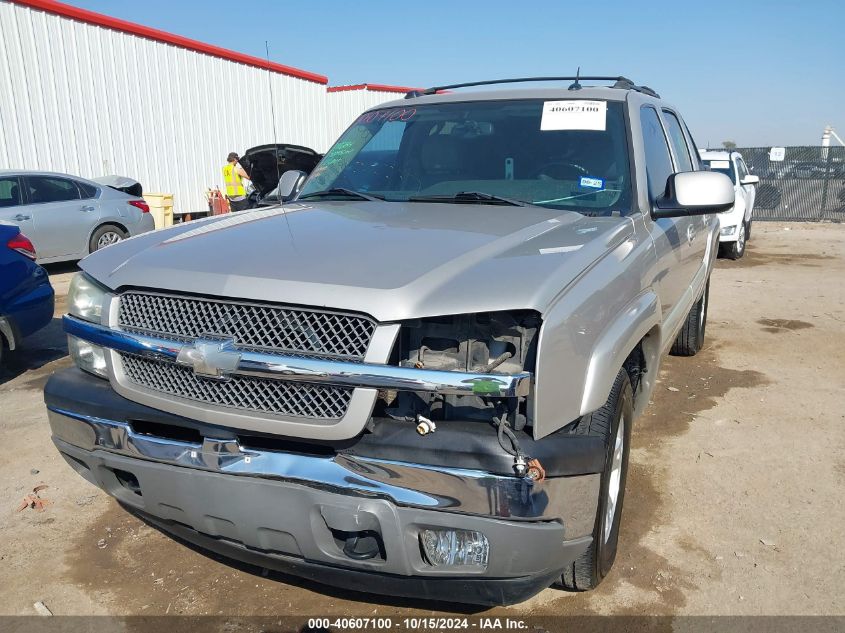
{"points": [[391, 260]]}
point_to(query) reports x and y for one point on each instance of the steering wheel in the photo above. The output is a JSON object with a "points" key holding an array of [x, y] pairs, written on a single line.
{"points": [[560, 170]]}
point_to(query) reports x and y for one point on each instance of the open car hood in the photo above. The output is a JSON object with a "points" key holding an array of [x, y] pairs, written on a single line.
{"points": [[265, 163]]}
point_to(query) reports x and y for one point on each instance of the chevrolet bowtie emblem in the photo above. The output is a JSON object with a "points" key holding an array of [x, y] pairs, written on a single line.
{"points": [[210, 358]]}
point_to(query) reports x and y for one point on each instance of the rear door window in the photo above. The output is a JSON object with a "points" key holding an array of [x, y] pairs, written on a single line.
{"points": [[86, 191], [657, 157], [51, 189], [679, 143], [10, 192]]}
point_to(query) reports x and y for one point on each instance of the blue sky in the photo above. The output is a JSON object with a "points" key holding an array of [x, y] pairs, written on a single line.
{"points": [[759, 73]]}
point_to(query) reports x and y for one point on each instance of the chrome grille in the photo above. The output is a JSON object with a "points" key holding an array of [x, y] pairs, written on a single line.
{"points": [[248, 393], [252, 326]]}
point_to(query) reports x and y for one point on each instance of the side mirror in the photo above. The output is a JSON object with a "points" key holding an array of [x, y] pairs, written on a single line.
{"points": [[694, 193], [750, 180], [290, 183]]}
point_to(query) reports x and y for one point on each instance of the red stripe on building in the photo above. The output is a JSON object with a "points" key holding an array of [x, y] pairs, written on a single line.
{"points": [[116, 24], [373, 87]]}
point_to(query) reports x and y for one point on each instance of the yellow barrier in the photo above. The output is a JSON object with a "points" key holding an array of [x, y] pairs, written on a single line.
{"points": [[161, 206]]}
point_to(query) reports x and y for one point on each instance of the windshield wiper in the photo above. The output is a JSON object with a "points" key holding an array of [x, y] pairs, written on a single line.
{"points": [[478, 197], [340, 191]]}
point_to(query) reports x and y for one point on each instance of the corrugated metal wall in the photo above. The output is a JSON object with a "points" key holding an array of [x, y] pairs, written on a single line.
{"points": [[88, 100], [344, 106]]}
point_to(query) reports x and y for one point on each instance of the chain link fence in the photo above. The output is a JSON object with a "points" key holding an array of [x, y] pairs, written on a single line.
{"points": [[808, 184]]}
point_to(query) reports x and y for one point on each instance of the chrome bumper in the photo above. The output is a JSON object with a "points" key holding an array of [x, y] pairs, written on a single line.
{"points": [[569, 500], [311, 370]]}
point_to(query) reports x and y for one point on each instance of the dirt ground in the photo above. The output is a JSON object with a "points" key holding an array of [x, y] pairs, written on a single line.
{"points": [[734, 501]]}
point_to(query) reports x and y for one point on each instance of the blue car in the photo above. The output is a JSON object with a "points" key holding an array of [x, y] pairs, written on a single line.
{"points": [[26, 296]]}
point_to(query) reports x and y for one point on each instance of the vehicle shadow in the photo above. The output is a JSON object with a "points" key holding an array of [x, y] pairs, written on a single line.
{"points": [[61, 267], [334, 592], [36, 351]]}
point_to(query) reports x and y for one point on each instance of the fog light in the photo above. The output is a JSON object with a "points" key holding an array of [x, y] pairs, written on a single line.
{"points": [[454, 547], [728, 230], [87, 356]]}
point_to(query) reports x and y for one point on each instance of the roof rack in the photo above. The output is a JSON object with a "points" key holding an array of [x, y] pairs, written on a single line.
{"points": [[620, 82]]}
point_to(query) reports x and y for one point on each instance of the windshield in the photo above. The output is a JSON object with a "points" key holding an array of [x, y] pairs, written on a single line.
{"points": [[569, 154], [721, 166]]}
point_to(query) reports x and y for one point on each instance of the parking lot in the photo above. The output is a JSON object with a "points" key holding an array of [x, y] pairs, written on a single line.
{"points": [[733, 503]]}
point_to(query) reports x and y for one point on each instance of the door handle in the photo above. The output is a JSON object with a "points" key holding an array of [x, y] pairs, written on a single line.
{"points": [[690, 233], [88, 208], [20, 217]]}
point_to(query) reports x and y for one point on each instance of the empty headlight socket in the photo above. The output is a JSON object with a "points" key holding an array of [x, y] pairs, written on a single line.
{"points": [[495, 342]]}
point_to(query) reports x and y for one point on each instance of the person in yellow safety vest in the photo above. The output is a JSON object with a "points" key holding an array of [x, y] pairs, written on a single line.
{"points": [[233, 175]]}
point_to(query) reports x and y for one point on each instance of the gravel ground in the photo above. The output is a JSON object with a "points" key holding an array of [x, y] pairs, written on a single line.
{"points": [[734, 500]]}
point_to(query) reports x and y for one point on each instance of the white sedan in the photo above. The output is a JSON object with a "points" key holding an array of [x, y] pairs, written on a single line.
{"points": [[68, 217], [736, 222]]}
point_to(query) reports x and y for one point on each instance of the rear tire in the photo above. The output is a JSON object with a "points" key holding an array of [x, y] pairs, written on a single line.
{"points": [[691, 337], [106, 235], [612, 423], [748, 231]]}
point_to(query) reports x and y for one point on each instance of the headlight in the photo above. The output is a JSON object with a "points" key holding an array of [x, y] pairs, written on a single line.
{"points": [[728, 230], [86, 298], [87, 356]]}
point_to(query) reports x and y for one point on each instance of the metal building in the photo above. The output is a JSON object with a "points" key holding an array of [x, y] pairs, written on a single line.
{"points": [[91, 95], [345, 103]]}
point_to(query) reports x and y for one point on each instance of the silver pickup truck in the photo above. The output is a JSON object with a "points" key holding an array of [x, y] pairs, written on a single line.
{"points": [[420, 376]]}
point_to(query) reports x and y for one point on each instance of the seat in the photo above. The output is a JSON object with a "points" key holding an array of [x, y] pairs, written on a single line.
{"points": [[14, 198], [440, 160]]}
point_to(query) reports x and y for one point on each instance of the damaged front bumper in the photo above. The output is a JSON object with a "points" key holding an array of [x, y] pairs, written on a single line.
{"points": [[284, 509]]}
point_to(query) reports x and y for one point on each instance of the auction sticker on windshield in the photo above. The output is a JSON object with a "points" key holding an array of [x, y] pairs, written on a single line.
{"points": [[574, 114], [591, 183]]}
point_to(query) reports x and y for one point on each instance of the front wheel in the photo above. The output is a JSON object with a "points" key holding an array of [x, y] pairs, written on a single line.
{"points": [[612, 423], [735, 250]]}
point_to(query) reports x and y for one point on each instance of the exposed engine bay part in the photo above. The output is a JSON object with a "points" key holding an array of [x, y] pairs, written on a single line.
{"points": [[493, 342], [536, 471], [425, 426], [471, 342], [489, 342], [512, 445]]}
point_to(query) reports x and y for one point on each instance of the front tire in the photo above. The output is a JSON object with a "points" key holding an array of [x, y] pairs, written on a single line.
{"points": [[106, 235], [613, 424], [735, 250], [691, 337]]}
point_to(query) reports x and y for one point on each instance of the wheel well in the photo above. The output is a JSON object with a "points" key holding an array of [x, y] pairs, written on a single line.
{"points": [[7, 334], [641, 365], [117, 224], [636, 366]]}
